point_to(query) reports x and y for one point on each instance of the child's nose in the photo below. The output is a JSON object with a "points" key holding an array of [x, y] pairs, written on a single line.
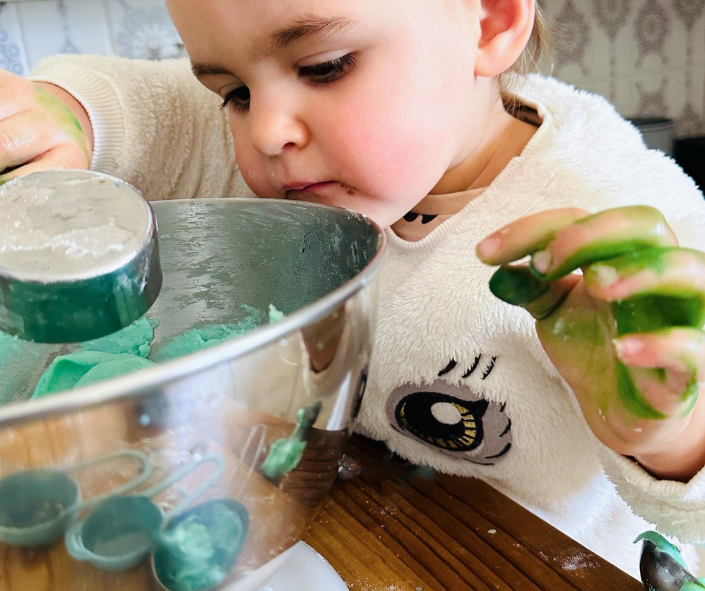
{"points": [[276, 127]]}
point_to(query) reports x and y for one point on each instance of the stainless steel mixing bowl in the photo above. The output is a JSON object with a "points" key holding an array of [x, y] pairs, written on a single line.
{"points": [[288, 387]]}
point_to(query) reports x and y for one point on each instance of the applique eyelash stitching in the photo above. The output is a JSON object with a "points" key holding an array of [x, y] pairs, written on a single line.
{"points": [[453, 363], [489, 369], [475, 363], [448, 368]]}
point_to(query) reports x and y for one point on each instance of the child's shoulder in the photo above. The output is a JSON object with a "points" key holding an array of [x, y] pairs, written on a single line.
{"points": [[580, 126], [598, 158]]}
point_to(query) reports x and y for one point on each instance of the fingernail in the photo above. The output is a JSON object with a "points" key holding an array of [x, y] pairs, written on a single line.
{"points": [[541, 261], [488, 247], [627, 346]]}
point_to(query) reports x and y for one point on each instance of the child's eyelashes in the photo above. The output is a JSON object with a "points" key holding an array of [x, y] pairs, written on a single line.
{"points": [[326, 72], [237, 99]]}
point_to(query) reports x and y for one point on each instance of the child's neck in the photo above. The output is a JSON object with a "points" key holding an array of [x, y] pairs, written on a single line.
{"points": [[506, 138]]}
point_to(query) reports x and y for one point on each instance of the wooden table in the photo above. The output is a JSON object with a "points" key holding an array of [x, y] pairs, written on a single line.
{"points": [[384, 530], [387, 530]]}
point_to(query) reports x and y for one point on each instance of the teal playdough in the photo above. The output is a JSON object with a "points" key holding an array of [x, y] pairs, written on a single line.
{"points": [[86, 367], [197, 550], [135, 339], [198, 339], [20, 366], [127, 350], [286, 454], [117, 354]]}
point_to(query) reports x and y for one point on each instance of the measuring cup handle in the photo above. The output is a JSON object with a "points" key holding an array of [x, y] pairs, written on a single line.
{"points": [[136, 481], [216, 459], [74, 543]]}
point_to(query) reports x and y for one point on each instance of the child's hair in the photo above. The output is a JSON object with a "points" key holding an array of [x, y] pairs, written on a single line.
{"points": [[539, 45]]}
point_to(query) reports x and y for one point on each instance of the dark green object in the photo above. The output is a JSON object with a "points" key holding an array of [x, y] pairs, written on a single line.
{"points": [[117, 535], [73, 311], [36, 506], [517, 285], [198, 549], [662, 567]]}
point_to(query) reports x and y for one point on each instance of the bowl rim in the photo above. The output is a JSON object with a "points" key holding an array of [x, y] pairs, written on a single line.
{"points": [[163, 374]]}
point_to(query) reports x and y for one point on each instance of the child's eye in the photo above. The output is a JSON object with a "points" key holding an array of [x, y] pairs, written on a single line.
{"points": [[238, 99], [327, 72]]}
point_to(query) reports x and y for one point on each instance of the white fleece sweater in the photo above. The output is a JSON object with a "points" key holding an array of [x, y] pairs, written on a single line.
{"points": [[459, 380]]}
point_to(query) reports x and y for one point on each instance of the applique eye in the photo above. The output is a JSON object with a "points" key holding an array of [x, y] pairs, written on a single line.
{"points": [[442, 420], [451, 416]]}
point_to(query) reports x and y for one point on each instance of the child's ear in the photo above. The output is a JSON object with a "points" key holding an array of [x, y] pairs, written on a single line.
{"points": [[505, 27]]}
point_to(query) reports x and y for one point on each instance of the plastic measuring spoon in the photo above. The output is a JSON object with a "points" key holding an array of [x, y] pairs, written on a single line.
{"points": [[121, 531], [199, 547], [36, 506]]}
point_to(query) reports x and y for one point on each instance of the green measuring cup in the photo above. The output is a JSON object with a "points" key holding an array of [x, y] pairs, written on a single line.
{"points": [[36, 506], [200, 546], [121, 531]]}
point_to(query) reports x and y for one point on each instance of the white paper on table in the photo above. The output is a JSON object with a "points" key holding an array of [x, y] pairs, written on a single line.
{"points": [[300, 568]]}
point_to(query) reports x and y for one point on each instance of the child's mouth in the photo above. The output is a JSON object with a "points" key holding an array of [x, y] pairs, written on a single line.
{"points": [[295, 189]]}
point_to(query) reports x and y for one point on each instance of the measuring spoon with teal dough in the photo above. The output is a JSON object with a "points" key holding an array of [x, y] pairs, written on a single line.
{"points": [[120, 532]]}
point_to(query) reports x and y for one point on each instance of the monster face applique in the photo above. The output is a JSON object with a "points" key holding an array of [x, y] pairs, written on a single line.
{"points": [[452, 418]]}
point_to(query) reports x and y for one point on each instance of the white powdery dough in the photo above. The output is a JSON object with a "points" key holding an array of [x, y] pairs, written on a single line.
{"points": [[70, 228]]}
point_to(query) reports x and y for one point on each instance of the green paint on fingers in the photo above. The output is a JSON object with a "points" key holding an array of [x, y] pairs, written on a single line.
{"points": [[632, 399], [63, 115], [593, 253], [516, 285], [648, 313]]}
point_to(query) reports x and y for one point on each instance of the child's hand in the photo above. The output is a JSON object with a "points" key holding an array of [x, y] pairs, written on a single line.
{"points": [[626, 335], [40, 128]]}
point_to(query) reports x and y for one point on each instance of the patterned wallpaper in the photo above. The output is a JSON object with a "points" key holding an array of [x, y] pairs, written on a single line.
{"points": [[646, 56], [32, 30]]}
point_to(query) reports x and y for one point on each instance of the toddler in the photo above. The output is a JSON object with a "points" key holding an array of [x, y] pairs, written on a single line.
{"points": [[585, 409]]}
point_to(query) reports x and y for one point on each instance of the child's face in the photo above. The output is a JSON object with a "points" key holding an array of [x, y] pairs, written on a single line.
{"points": [[362, 104]]}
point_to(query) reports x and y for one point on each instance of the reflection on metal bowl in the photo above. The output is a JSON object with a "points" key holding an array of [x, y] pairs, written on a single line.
{"points": [[293, 385]]}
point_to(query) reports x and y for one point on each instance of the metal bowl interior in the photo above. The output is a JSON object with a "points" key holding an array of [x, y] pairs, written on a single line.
{"points": [[290, 388], [216, 255]]}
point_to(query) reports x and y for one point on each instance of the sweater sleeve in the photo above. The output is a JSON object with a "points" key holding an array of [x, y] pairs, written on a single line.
{"points": [[677, 508], [154, 125]]}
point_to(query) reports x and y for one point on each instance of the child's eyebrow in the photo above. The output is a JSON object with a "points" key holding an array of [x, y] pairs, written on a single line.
{"points": [[308, 28], [305, 28]]}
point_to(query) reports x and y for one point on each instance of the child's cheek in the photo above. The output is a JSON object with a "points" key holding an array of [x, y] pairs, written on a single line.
{"points": [[251, 167], [395, 151]]}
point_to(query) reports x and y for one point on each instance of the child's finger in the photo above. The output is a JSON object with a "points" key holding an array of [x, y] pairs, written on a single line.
{"points": [[61, 157], [516, 285], [21, 141], [654, 271], [526, 235], [665, 367], [677, 349], [605, 235], [16, 94]]}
